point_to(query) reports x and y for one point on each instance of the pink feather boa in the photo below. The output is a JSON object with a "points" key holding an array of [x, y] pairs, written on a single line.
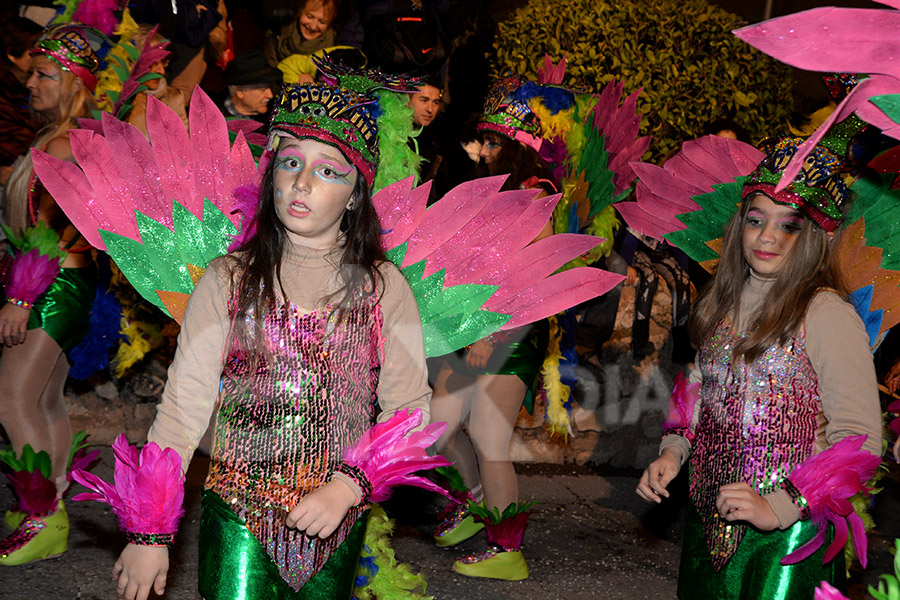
{"points": [[827, 481], [30, 274], [681, 407], [148, 490], [391, 452]]}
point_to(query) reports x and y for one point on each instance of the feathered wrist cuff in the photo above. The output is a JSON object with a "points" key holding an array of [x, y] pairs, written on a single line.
{"points": [[30, 274], [796, 497], [681, 408], [359, 477], [35, 266], [390, 453], [826, 482], [147, 493]]}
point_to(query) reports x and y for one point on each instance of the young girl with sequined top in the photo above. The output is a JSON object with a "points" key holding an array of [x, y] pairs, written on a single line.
{"points": [[305, 328], [784, 374]]}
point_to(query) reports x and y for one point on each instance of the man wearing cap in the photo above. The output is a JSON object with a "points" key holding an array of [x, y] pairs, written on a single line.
{"points": [[250, 79]]}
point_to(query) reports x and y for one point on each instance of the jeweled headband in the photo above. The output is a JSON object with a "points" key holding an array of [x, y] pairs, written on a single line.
{"points": [[820, 189], [69, 48], [510, 116], [342, 113]]}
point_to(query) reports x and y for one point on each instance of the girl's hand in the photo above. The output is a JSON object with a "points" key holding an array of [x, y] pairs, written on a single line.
{"points": [[140, 568], [478, 354], [658, 475], [322, 510], [892, 378], [897, 450], [13, 324], [740, 502]]}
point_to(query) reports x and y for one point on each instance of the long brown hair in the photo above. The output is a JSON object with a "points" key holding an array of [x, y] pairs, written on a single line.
{"points": [[520, 162], [256, 266], [811, 266]]}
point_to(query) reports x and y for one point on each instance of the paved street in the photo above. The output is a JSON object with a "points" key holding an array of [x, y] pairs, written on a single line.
{"points": [[590, 538]]}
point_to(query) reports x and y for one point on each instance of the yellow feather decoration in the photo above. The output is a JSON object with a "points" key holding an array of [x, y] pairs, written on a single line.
{"points": [[393, 580], [107, 80], [556, 391]]}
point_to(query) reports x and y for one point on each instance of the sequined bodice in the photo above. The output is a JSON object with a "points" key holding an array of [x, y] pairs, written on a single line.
{"points": [[757, 422], [281, 427]]}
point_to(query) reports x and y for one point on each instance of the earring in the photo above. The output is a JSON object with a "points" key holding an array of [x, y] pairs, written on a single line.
{"points": [[351, 205]]}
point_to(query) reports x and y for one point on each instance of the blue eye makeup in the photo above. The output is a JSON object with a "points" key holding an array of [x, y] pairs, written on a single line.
{"points": [[331, 173], [290, 162]]}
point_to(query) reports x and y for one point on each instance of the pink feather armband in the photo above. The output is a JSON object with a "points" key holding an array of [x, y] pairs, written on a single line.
{"points": [[147, 494], [30, 274], [390, 453], [681, 408], [822, 487]]}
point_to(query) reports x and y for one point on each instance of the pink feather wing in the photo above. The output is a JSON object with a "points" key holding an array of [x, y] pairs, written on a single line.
{"points": [[172, 150], [400, 210], [446, 217], [827, 39], [478, 236], [135, 164], [210, 154], [554, 294]]}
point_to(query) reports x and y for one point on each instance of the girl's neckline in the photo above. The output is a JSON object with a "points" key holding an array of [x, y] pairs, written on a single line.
{"points": [[297, 253], [760, 282]]}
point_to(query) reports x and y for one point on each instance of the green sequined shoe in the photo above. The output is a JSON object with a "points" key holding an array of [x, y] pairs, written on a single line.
{"points": [[456, 526], [494, 563], [13, 517], [37, 538]]}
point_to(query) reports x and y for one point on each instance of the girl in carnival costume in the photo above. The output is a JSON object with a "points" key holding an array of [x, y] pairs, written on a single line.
{"points": [[781, 422], [49, 291], [309, 315], [548, 138], [486, 385], [304, 324]]}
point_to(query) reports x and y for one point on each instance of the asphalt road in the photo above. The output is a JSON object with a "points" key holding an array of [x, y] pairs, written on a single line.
{"points": [[589, 538]]}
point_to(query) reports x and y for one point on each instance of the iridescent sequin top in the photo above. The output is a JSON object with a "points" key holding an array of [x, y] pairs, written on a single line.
{"points": [[757, 423], [282, 427]]}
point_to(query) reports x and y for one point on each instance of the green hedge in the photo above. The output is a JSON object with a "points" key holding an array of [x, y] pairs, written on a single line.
{"points": [[692, 69]]}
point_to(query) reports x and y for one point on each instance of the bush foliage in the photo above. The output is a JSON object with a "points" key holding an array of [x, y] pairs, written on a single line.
{"points": [[692, 69]]}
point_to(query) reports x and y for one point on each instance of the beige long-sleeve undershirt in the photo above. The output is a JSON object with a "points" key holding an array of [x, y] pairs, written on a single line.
{"points": [[838, 348], [193, 382]]}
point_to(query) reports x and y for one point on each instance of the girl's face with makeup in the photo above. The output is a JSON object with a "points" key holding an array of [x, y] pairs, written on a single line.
{"points": [[313, 187], [45, 84], [770, 231]]}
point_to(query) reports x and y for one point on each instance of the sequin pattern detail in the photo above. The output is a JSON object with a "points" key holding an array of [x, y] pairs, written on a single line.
{"points": [[281, 428], [757, 423]]}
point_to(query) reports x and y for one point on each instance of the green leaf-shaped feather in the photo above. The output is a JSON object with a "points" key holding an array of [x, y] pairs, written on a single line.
{"points": [[708, 223], [451, 317], [889, 105], [160, 262], [594, 165], [880, 206]]}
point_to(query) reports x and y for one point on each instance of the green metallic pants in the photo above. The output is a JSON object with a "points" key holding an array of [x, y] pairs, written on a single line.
{"points": [[235, 566], [755, 571]]}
